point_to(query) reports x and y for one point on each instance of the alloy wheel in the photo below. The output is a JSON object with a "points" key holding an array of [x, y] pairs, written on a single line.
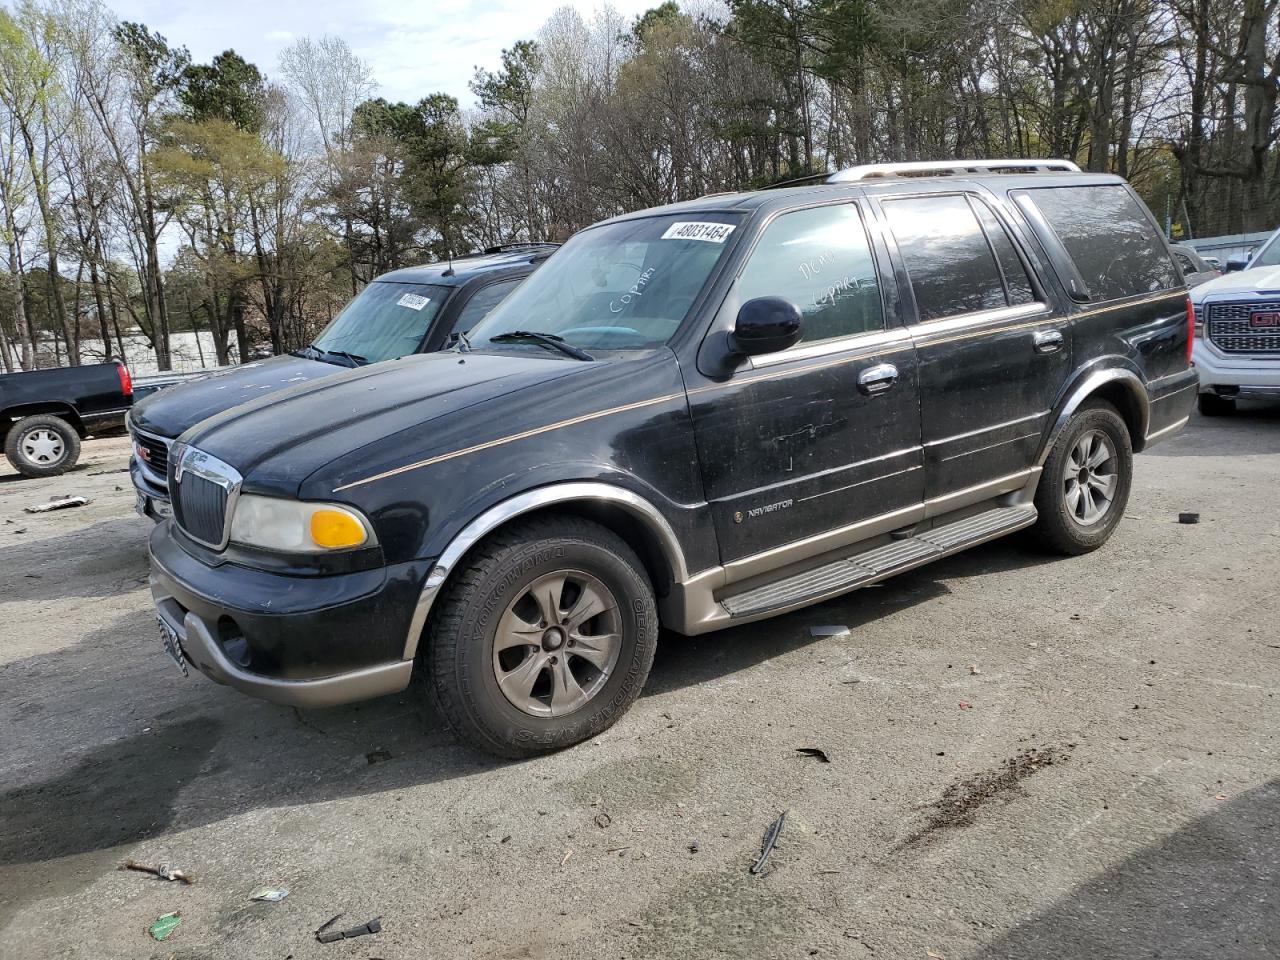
{"points": [[557, 644], [1090, 480]]}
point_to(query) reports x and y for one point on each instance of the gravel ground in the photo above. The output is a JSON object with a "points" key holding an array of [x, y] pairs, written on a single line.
{"points": [[1029, 757]]}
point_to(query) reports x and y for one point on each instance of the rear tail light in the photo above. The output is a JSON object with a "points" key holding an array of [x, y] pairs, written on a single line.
{"points": [[1191, 328], [126, 381]]}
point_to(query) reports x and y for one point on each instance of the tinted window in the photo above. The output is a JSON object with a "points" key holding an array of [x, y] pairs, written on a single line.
{"points": [[1110, 238], [1017, 283], [820, 260], [947, 255], [484, 300]]}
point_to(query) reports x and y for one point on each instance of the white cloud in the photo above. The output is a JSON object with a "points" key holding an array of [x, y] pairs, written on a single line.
{"points": [[414, 48]]}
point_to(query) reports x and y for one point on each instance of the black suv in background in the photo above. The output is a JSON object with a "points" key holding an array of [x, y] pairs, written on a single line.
{"points": [[694, 416], [414, 310]]}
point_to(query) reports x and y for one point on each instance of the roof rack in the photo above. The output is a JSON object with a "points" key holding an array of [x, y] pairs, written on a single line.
{"points": [[931, 168], [507, 247]]}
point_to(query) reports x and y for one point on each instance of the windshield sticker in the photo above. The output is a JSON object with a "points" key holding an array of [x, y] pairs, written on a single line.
{"points": [[690, 230], [634, 292], [413, 301]]}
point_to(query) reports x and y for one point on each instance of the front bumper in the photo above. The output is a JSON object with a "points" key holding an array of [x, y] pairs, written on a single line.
{"points": [[304, 641], [1241, 374]]}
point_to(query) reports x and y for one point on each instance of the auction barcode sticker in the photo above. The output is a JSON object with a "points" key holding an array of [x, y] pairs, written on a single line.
{"points": [[413, 301], [692, 230]]}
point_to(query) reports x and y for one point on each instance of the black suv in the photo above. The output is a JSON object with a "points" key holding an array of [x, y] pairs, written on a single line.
{"points": [[414, 310], [692, 417]]}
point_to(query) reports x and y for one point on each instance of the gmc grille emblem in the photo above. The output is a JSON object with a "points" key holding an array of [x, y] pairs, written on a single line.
{"points": [[1264, 318]]}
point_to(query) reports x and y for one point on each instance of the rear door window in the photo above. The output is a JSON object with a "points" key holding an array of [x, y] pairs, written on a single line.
{"points": [[952, 267], [482, 302], [819, 259], [1017, 282], [1110, 238]]}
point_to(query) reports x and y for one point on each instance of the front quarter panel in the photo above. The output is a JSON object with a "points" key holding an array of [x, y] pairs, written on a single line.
{"points": [[623, 422]]}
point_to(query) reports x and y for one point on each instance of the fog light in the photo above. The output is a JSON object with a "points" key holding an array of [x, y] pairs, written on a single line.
{"points": [[336, 528]]}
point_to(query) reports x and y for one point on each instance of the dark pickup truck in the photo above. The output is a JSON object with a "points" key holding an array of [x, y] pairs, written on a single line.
{"points": [[44, 414]]}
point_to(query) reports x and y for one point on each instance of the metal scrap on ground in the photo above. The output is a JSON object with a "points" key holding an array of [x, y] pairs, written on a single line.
{"points": [[770, 839], [58, 503], [162, 872]]}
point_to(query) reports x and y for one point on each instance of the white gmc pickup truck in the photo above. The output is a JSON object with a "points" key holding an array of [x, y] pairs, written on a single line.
{"points": [[1237, 345]]}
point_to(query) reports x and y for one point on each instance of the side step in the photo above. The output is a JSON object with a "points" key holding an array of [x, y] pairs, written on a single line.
{"points": [[849, 573]]}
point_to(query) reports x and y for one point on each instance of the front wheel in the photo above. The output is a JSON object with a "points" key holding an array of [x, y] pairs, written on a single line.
{"points": [[42, 446], [1214, 405], [1085, 484], [542, 639]]}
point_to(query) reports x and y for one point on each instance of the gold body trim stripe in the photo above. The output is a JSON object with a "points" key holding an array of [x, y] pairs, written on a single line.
{"points": [[883, 350], [524, 434]]}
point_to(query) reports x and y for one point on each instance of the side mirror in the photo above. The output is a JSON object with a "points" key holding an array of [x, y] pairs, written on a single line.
{"points": [[1237, 262], [766, 325]]}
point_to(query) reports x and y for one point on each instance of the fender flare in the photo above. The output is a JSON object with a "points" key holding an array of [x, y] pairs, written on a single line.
{"points": [[536, 499], [1086, 387]]}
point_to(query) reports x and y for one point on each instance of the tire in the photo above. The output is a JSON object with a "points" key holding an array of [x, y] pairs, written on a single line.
{"points": [[532, 710], [1076, 515], [42, 446], [1213, 405]]}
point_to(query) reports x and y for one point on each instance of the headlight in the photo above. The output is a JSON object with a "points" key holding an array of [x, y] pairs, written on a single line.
{"points": [[292, 526]]}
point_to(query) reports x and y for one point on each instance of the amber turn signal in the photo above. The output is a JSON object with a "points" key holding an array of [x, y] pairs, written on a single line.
{"points": [[336, 528]]}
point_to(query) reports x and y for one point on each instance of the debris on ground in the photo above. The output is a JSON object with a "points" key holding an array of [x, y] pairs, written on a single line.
{"points": [[966, 705], [269, 894], [695, 847], [834, 630], [162, 872], [603, 820], [770, 838], [960, 802], [973, 670], [816, 752], [567, 854], [58, 503], [934, 955], [377, 756], [1188, 518], [164, 926], [325, 935]]}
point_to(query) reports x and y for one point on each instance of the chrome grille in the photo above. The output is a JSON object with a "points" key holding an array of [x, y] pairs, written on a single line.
{"points": [[152, 455], [204, 493], [1230, 332]]}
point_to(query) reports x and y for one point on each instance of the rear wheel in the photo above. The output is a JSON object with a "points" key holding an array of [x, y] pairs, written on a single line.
{"points": [[1214, 405], [543, 639], [1085, 484], [42, 446]]}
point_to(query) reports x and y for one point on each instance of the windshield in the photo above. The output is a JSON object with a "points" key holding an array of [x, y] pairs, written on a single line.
{"points": [[384, 321], [622, 286], [1268, 256]]}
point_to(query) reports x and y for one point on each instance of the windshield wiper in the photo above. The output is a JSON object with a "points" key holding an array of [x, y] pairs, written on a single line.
{"points": [[309, 352], [546, 339], [355, 358]]}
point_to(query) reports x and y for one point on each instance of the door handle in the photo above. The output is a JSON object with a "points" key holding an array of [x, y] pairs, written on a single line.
{"points": [[877, 379], [1048, 341]]}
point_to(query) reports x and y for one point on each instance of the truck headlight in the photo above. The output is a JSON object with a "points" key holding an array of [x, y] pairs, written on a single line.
{"points": [[293, 526]]}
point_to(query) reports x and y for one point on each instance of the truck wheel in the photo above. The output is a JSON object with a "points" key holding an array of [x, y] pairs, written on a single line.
{"points": [[42, 446], [1085, 484], [543, 639], [1213, 405]]}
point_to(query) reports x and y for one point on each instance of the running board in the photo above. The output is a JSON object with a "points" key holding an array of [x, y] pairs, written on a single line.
{"points": [[859, 570]]}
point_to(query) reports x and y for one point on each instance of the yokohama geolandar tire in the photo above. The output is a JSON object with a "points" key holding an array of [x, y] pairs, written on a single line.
{"points": [[1085, 484], [542, 639], [42, 446]]}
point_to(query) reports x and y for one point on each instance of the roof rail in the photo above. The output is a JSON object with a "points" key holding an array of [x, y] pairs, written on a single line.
{"points": [[931, 168], [507, 247]]}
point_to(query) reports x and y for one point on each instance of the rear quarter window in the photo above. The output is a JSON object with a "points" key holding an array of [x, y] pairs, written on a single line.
{"points": [[1110, 238]]}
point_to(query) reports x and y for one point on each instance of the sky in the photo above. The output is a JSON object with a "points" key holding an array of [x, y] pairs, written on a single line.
{"points": [[414, 48]]}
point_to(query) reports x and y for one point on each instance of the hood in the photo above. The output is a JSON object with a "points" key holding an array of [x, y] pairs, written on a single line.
{"points": [[278, 440], [174, 410], [1263, 280]]}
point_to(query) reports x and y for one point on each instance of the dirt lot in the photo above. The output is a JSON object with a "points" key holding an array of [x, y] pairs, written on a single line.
{"points": [[1029, 758]]}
